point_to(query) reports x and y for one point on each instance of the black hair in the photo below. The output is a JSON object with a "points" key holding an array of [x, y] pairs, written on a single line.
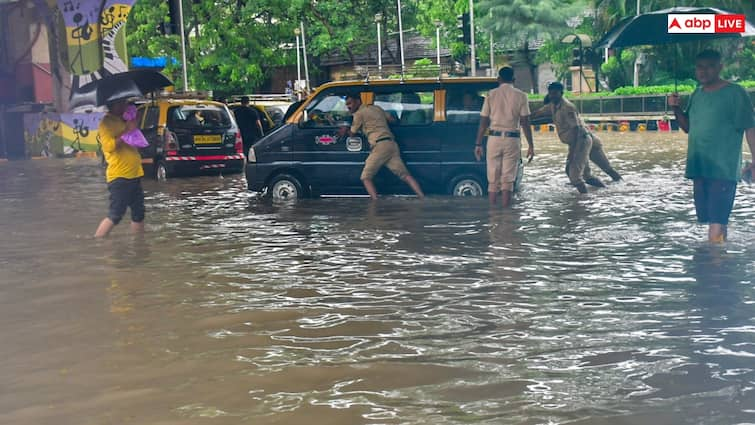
{"points": [[709, 54], [556, 85], [355, 96], [244, 99], [506, 73]]}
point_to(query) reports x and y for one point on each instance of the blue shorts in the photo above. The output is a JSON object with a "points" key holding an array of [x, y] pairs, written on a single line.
{"points": [[126, 193], [714, 200]]}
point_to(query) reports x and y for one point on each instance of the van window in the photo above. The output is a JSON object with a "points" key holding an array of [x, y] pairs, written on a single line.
{"points": [[407, 107], [329, 111], [198, 117], [464, 105]]}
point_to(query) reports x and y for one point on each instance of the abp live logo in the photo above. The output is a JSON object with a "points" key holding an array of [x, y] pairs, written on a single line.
{"points": [[705, 23]]}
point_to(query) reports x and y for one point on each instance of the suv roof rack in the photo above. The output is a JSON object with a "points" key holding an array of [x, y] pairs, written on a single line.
{"points": [[283, 97], [195, 94]]}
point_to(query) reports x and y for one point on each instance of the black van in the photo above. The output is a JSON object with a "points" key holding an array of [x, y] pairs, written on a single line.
{"points": [[435, 123]]}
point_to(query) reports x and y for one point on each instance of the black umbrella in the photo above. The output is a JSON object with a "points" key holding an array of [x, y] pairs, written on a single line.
{"points": [[652, 29], [134, 83]]}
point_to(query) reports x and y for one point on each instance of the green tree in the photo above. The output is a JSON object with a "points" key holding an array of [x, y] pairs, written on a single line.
{"points": [[521, 23], [231, 46]]}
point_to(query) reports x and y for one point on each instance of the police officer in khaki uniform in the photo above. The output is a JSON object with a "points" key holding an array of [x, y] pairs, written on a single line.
{"points": [[372, 121], [583, 145], [505, 114]]}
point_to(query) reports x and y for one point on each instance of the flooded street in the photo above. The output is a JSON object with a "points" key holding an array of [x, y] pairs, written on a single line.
{"points": [[599, 309]]}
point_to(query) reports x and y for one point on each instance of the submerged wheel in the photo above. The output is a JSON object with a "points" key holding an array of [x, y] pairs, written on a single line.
{"points": [[466, 186], [285, 187]]}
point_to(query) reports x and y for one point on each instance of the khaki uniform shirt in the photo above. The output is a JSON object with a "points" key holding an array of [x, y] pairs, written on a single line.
{"points": [[371, 120], [567, 120], [505, 105]]}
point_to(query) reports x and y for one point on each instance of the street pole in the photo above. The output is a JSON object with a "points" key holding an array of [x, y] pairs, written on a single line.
{"points": [[492, 57], [183, 45], [437, 43], [304, 52], [378, 18], [581, 61], [636, 76], [401, 37], [471, 38], [298, 63]]}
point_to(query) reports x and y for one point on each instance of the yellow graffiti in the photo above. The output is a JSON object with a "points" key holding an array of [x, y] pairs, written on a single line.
{"points": [[112, 16]]}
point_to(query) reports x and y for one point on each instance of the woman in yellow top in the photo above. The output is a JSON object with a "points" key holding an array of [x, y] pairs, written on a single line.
{"points": [[124, 170]]}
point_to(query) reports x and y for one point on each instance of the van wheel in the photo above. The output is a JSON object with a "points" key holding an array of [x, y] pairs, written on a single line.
{"points": [[285, 187], [161, 171], [466, 185]]}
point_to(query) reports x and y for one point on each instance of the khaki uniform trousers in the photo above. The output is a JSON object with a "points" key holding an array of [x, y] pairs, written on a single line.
{"points": [[386, 153], [584, 148], [503, 155]]}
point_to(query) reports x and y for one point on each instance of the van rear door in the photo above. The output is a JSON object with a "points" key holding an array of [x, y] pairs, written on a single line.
{"points": [[463, 105]]}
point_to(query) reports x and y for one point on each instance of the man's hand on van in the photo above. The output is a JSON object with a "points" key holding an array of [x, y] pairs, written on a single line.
{"points": [[478, 152]]}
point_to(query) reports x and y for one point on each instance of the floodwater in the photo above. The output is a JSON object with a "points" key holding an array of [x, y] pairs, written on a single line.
{"points": [[599, 309]]}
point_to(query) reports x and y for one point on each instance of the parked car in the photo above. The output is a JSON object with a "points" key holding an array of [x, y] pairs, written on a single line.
{"points": [[435, 124], [189, 136]]}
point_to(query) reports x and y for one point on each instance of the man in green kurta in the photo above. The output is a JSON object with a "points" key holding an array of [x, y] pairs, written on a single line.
{"points": [[718, 114]]}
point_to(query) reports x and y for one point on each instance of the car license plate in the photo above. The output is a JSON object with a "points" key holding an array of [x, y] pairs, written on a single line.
{"points": [[206, 140]]}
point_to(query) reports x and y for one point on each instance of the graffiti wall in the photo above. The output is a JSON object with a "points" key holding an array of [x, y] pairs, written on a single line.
{"points": [[96, 42], [55, 135], [95, 48]]}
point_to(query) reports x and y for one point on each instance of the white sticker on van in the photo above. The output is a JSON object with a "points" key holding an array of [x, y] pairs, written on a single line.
{"points": [[326, 139], [354, 144]]}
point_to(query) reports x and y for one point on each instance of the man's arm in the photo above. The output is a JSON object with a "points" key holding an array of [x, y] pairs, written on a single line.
{"points": [[750, 135], [543, 111], [527, 128], [681, 118], [484, 125], [259, 126]]}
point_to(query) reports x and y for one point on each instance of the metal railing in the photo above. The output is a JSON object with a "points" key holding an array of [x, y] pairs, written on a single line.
{"points": [[269, 97], [640, 105]]}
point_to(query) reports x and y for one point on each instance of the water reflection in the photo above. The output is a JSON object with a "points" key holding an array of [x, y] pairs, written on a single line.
{"points": [[594, 309]]}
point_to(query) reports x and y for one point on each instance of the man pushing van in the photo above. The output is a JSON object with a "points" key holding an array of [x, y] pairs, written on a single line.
{"points": [[371, 120]]}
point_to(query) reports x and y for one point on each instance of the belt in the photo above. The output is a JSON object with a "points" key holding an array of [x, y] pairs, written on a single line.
{"points": [[383, 139], [503, 133]]}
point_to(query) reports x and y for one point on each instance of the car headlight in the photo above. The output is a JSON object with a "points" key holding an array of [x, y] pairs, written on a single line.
{"points": [[252, 157]]}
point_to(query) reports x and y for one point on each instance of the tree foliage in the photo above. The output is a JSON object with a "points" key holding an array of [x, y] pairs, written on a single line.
{"points": [[235, 45]]}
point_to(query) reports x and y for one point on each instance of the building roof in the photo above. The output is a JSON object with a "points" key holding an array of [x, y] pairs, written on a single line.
{"points": [[415, 47]]}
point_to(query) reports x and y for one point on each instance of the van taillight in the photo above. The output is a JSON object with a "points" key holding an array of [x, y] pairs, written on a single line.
{"points": [[169, 142], [239, 143]]}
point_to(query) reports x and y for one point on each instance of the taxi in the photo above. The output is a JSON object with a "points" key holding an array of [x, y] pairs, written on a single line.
{"points": [[189, 136]]}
